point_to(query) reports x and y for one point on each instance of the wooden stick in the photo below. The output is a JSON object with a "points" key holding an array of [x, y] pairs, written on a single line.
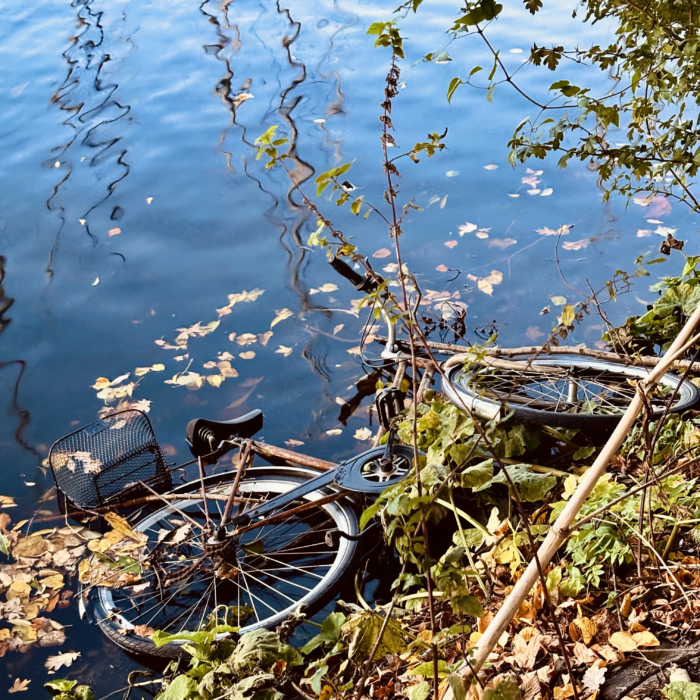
{"points": [[265, 450], [425, 383], [560, 530], [646, 360]]}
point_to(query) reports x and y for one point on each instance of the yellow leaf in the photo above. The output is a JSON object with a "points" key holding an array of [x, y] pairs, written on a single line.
{"points": [[55, 581], [157, 368], [284, 350], [249, 355], [623, 641], [626, 607], [247, 338], [101, 383], [30, 547], [83, 569], [120, 524], [568, 315], [215, 379], [264, 337], [645, 639], [587, 627], [18, 589], [281, 315]]}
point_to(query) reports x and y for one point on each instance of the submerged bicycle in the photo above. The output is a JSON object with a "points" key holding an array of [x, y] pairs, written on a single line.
{"points": [[249, 548]]}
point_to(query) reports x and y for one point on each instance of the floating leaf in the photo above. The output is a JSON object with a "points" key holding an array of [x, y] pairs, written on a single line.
{"points": [[114, 231], [284, 350], [293, 443], [546, 231], [491, 166], [576, 245], [382, 253], [248, 355], [467, 228], [338, 328], [363, 434], [250, 338], [442, 268], [19, 686], [546, 192], [451, 243], [282, 314], [334, 431], [53, 663], [263, 338]]}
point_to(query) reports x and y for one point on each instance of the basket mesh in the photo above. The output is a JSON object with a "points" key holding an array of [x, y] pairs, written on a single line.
{"points": [[103, 462]]}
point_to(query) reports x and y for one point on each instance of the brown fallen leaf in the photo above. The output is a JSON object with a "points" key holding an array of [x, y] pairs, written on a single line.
{"points": [[530, 686], [626, 607], [645, 639], [144, 631], [19, 686], [248, 355], [293, 443], [524, 652]]}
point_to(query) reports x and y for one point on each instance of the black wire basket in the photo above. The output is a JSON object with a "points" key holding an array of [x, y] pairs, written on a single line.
{"points": [[102, 463]]}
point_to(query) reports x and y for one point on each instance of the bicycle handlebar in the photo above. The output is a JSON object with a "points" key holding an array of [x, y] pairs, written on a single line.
{"points": [[363, 283]]}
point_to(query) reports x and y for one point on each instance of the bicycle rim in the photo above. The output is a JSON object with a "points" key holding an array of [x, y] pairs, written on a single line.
{"points": [[272, 570], [578, 391]]}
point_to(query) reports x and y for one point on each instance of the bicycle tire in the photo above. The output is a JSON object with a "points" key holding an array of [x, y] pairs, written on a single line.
{"points": [[271, 480], [461, 389]]}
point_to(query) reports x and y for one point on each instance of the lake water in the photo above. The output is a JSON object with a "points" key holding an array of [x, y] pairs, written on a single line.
{"points": [[131, 206]]}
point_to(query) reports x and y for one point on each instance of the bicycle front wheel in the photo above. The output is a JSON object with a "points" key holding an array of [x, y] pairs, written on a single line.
{"points": [[257, 581], [566, 392]]}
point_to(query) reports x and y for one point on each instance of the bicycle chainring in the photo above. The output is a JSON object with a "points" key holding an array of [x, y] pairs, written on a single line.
{"points": [[370, 472]]}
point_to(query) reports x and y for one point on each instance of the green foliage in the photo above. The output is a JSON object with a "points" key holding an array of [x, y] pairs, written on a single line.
{"points": [[682, 690], [267, 145], [505, 690], [63, 689], [531, 486], [387, 35], [659, 326]]}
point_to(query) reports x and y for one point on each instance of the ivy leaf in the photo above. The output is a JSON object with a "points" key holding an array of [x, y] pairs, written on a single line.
{"points": [[457, 685], [583, 452]]}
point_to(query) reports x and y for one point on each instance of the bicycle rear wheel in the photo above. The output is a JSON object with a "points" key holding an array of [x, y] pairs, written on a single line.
{"points": [[567, 392], [257, 582]]}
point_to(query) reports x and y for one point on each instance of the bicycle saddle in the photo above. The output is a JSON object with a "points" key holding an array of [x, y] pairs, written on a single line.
{"points": [[205, 436]]}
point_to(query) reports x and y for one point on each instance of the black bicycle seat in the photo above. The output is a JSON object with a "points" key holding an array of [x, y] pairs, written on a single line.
{"points": [[205, 436]]}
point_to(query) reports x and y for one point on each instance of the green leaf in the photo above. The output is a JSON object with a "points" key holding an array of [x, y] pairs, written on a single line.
{"points": [[574, 584], [376, 28], [84, 692], [454, 84], [420, 691], [477, 475], [181, 688], [554, 579], [583, 452], [531, 485], [426, 669], [361, 632], [682, 690], [61, 684], [467, 604], [475, 70], [558, 301], [330, 632], [355, 206], [505, 690], [489, 94], [457, 685]]}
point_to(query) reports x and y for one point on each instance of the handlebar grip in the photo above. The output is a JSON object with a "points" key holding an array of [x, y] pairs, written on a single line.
{"points": [[342, 268]]}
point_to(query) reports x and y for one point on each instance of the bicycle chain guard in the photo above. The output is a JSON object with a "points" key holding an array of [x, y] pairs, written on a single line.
{"points": [[389, 404]]}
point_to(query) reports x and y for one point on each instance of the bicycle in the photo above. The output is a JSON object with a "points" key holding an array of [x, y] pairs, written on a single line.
{"points": [[250, 548]]}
